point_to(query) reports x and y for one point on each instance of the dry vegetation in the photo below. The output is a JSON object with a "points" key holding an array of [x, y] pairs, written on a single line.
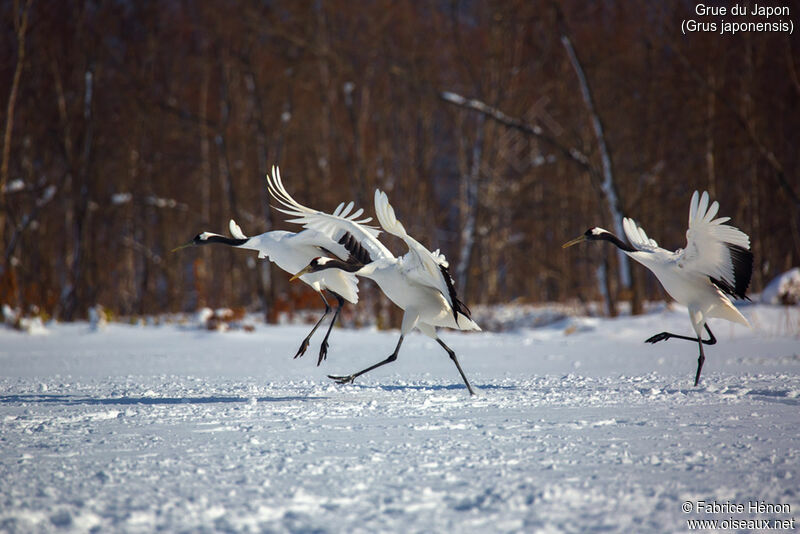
{"points": [[130, 126]]}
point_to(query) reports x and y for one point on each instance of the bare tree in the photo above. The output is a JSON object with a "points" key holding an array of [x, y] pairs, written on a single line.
{"points": [[21, 30], [468, 205], [154, 124]]}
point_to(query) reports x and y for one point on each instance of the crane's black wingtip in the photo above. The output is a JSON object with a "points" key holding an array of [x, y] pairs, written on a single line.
{"points": [[457, 305], [358, 254], [742, 260], [742, 268]]}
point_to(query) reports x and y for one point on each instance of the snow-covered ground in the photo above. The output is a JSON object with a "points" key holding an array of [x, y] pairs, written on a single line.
{"points": [[578, 425]]}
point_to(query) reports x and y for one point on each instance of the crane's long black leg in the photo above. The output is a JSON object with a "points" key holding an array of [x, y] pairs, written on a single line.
{"points": [[323, 349], [663, 336], [349, 378], [304, 344], [711, 339], [452, 354], [700, 360], [700, 341]]}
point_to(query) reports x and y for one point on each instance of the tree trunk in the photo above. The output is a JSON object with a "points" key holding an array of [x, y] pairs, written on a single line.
{"points": [[468, 208], [21, 26], [710, 120], [71, 302], [608, 186], [264, 279], [201, 291]]}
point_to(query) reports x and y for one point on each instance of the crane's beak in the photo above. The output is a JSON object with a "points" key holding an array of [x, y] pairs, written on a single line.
{"points": [[301, 273], [187, 245], [575, 241]]}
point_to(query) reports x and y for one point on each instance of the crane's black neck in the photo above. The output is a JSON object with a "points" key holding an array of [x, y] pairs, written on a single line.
{"points": [[334, 263], [611, 238], [221, 239]]}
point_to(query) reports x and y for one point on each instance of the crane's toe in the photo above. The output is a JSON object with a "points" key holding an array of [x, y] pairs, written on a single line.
{"points": [[343, 379], [658, 337], [323, 352], [302, 349]]}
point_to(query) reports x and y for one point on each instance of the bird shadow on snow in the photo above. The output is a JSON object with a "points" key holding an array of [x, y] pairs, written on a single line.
{"points": [[72, 400], [782, 396], [81, 400], [431, 387]]}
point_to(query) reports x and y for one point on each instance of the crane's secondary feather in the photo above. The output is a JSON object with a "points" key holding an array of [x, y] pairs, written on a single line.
{"points": [[637, 236]]}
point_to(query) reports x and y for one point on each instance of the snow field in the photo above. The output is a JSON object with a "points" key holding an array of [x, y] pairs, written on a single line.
{"points": [[137, 429]]}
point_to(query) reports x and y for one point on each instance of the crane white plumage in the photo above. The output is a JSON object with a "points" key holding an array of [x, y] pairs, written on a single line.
{"points": [[716, 264], [417, 282], [291, 252], [419, 264], [336, 225]]}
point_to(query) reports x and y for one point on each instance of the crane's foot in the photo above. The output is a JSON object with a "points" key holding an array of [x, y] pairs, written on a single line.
{"points": [[323, 352], [700, 361], [663, 336], [302, 349], [343, 379]]}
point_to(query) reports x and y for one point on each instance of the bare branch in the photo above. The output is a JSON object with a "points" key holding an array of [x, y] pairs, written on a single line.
{"points": [[571, 153]]}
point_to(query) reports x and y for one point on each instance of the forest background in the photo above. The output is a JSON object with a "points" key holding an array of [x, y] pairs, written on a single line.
{"points": [[499, 130]]}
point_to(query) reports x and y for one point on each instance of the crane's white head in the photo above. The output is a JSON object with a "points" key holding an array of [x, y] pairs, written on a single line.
{"points": [[592, 234], [210, 237], [199, 239], [317, 264], [322, 263]]}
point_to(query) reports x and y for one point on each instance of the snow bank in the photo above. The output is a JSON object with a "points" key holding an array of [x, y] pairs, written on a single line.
{"points": [[783, 289]]}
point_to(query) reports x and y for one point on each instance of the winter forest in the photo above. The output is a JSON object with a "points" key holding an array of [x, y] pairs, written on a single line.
{"points": [[147, 385], [499, 131]]}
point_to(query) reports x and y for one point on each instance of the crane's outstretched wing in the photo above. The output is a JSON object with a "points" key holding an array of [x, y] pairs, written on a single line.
{"points": [[637, 236], [307, 245], [335, 225], [420, 265], [718, 250]]}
